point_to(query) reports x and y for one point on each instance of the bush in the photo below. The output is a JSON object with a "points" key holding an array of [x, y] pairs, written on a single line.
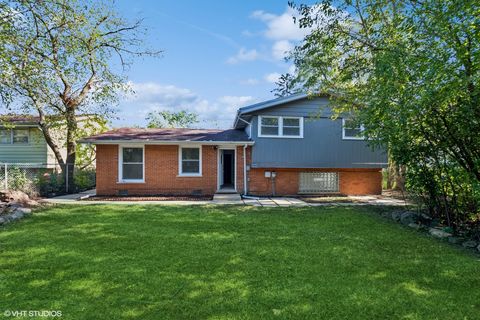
{"points": [[50, 183], [84, 179]]}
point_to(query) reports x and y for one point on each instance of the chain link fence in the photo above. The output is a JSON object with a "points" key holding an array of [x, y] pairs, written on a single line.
{"points": [[45, 179]]}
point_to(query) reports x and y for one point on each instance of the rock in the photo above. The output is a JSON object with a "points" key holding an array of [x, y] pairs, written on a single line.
{"points": [[478, 248], [415, 226], [18, 197], [396, 215], [469, 244], [455, 240], [3, 220], [425, 219], [17, 215], [24, 211], [408, 217], [439, 233]]}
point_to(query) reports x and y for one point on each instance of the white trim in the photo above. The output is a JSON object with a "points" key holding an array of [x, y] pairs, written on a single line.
{"points": [[280, 127], [180, 173], [219, 167], [120, 164], [344, 137]]}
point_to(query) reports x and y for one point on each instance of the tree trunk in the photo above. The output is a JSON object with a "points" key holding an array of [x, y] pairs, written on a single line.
{"points": [[71, 150]]}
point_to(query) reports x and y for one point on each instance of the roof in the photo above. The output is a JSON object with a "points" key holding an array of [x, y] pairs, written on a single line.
{"points": [[168, 135], [238, 123]]}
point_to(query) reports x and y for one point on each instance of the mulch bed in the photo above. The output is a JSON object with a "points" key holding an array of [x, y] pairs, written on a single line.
{"points": [[150, 198]]}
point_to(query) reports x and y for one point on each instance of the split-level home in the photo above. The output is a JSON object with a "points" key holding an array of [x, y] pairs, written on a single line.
{"points": [[285, 146]]}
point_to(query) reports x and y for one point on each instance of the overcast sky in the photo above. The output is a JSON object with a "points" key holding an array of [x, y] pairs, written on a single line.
{"points": [[218, 56]]}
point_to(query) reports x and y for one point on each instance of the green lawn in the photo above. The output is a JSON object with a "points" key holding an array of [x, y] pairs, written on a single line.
{"points": [[161, 262]]}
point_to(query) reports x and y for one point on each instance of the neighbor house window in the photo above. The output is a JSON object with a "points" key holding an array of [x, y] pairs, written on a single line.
{"points": [[132, 164], [351, 130], [286, 127], [5, 136], [190, 161], [14, 136], [20, 136]]}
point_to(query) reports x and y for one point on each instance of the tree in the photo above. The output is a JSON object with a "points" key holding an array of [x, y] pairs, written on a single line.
{"points": [[57, 58], [409, 72], [168, 119]]}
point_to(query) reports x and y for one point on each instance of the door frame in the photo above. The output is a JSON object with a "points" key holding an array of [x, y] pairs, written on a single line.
{"points": [[220, 166]]}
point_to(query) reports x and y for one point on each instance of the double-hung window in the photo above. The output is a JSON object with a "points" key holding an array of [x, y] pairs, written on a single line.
{"points": [[352, 130], [190, 161], [132, 164], [280, 127], [14, 136]]}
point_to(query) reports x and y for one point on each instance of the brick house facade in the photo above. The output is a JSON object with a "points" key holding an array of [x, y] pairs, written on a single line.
{"points": [[275, 148]]}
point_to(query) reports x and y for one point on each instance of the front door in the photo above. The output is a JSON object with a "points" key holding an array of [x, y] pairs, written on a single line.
{"points": [[227, 169]]}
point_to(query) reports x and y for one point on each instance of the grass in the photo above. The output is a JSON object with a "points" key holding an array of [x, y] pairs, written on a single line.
{"points": [[165, 262]]}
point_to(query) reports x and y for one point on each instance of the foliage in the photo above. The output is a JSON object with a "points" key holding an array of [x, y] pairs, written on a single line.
{"points": [[84, 179], [168, 119], [409, 72], [50, 183], [230, 262], [85, 153], [57, 59], [17, 179]]}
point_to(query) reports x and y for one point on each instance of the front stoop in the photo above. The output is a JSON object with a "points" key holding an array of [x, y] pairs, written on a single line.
{"points": [[227, 198]]}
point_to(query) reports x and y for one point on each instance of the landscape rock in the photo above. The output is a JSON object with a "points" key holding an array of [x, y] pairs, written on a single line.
{"points": [[455, 240], [408, 217], [396, 215], [469, 244], [415, 226], [18, 197], [425, 219], [439, 233], [3, 220], [23, 211], [478, 248]]}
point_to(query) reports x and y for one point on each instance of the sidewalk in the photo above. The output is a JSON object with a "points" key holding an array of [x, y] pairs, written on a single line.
{"points": [[261, 202]]}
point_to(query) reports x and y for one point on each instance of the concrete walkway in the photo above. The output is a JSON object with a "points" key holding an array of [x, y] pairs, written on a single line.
{"points": [[228, 200]]}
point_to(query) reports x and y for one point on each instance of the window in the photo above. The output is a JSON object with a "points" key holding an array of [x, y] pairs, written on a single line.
{"points": [[5, 136], [190, 163], [131, 164], [282, 127], [318, 182], [269, 126], [351, 130], [20, 136], [291, 127]]}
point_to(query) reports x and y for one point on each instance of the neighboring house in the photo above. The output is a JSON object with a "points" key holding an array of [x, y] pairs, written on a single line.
{"points": [[285, 146], [22, 143]]}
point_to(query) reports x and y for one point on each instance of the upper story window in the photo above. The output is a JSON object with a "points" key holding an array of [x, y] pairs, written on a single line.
{"points": [[14, 136], [190, 161], [351, 130], [131, 164], [280, 127]]}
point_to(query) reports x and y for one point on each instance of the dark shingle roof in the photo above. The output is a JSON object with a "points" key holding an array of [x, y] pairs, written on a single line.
{"points": [[194, 135]]}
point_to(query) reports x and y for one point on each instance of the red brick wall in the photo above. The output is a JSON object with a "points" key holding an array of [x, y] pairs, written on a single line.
{"points": [[161, 172], [352, 181]]}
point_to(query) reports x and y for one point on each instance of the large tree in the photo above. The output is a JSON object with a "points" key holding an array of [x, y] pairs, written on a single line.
{"points": [[169, 119], [409, 71], [62, 58]]}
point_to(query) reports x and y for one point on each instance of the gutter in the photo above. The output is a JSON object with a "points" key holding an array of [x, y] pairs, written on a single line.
{"points": [[245, 188], [165, 142]]}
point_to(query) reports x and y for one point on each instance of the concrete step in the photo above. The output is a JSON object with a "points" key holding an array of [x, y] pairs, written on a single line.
{"points": [[226, 197]]}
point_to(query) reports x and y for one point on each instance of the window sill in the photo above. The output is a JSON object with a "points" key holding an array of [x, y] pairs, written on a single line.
{"points": [[353, 138], [130, 181], [189, 176], [287, 137]]}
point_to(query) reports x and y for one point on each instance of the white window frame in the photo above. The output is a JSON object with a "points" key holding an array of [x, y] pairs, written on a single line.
{"points": [[345, 137], [280, 127], [11, 137], [180, 152], [120, 164]]}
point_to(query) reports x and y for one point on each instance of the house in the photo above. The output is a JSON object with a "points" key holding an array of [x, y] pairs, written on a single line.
{"points": [[22, 143], [284, 146]]}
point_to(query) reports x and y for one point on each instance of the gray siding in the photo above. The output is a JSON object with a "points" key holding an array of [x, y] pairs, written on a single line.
{"points": [[321, 147], [33, 152]]}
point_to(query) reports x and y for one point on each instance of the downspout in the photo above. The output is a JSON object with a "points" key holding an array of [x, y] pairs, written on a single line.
{"points": [[245, 189]]}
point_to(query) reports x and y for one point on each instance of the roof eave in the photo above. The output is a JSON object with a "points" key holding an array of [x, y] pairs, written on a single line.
{"points": [[146, 141]]}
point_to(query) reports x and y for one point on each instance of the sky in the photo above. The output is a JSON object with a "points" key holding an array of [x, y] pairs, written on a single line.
{"points": [[217, 56]]}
